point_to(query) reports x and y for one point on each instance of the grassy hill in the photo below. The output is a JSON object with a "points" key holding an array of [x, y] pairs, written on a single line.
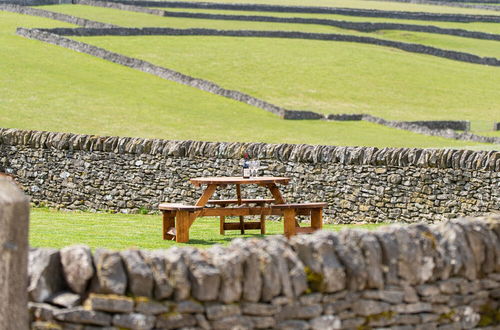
{"points": [[51, 88]]}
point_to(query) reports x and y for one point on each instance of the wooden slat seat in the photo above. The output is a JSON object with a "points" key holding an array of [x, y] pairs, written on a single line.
{"points": [[243, 201], [290, 212], [178, 207], [300, 206], [175, 216]]}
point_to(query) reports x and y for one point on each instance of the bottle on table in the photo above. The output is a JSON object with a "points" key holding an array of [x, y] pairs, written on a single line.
{"points": [[246, 166]]}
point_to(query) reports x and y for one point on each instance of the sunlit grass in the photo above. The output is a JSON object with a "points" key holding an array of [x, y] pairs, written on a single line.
{"points": [[56, 229], [46, 87]]}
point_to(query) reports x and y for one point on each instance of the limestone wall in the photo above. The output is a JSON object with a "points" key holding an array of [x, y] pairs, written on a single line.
{"points": [[16, 8], [316, 10], [413, 277], [358, 183], [358, 26], [54, 36]]}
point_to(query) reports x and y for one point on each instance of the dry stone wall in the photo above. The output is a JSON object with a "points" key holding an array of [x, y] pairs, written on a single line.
{"points": [[444, 276], [16, 8], [358, 26], [54, 36], [359, 183], [316, 10]]}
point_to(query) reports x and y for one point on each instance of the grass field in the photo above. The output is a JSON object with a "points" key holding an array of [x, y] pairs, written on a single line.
{"points": [[56, 229], [362, 4], [473, 26], [327, 77], [388, 92], [478, 47], [46, 87], [82, 94]]}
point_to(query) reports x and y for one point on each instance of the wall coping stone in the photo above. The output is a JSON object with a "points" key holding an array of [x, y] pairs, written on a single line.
{"points": [[373, 156]]}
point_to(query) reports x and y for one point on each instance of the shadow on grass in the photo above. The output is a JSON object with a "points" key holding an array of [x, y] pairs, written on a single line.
{"points": [[223, 239]]}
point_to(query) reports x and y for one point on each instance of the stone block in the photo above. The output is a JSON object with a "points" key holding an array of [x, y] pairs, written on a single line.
{"points": [[262, 322], [189, 306], [299, 312], [45, 275], [65, 299], [232, 322], [149, 307], [157, 261], [41, 311], [77, 266], [293, 325], [327, 322], [259, 309], [217, 311], [110, 274], [110, 303], [139, 274], [83, 316], [369, 307], [134, 321], [175, 321]]}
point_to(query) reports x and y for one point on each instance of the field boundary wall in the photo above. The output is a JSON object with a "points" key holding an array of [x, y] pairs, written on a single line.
{"points": [[358, 26], [317, 10], [360, 184]]}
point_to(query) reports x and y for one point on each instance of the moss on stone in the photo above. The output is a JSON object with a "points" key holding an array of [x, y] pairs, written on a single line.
{"points": [[376, 317], [314, 280], [489, 316], [444, 317]]}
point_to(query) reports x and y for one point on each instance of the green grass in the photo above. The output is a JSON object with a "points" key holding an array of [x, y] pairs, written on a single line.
{"points": [[327, 77], [379, 5], [130, 19], [473, 26], [56, 229], [46, 87]]}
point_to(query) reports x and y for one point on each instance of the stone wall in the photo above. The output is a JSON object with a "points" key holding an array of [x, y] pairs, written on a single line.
{"points": [[317, 10], [444, 276], [16, 8], [477, 4], [358, 26], [459, 125], [359, 183], [409, 47], [35, 2]]}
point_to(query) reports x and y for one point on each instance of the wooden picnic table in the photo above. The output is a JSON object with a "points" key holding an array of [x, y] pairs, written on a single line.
{"points": [[181, 217]]}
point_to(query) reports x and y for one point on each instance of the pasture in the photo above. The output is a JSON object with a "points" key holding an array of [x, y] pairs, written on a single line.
{"points": [[60, 90]]}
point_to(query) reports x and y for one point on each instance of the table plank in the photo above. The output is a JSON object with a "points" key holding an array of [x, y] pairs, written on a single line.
{"points": [[239, 180]]}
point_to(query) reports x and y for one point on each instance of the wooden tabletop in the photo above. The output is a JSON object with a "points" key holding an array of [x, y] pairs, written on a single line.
{"points": [[239, 180]]}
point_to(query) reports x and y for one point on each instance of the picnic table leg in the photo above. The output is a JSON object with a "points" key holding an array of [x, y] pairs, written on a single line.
{"points": [[317, 219], [182, 224], [222, 221], [262, 224], [242, 222], [273, 188], [168, 222], [289, 222]]}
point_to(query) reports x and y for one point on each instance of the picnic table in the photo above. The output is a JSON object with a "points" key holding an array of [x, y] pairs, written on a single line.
{"points": [[178, 218]]}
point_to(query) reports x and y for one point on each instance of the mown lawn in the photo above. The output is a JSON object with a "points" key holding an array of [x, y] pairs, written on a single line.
{"points": [[46, 87], [56, 229]]}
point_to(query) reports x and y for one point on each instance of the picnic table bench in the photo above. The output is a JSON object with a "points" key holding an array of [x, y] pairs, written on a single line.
{"points": [[178, 217]]}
